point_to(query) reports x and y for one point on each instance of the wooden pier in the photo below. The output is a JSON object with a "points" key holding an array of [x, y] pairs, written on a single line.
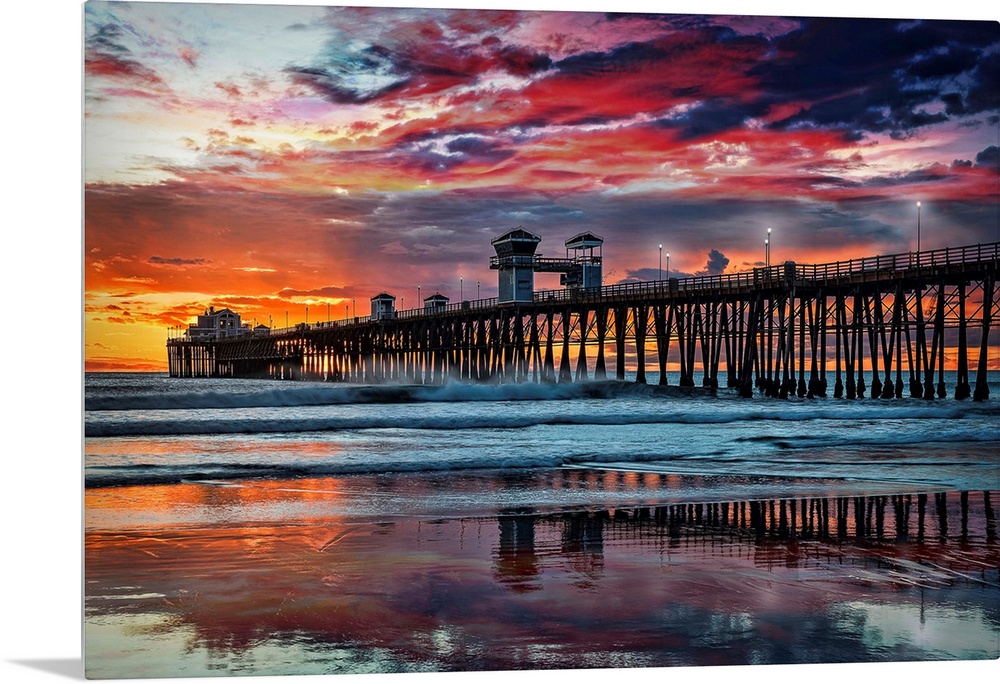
{"points": [[885, 326]]}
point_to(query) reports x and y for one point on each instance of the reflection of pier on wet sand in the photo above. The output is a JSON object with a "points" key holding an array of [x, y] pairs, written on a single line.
{"points": [[913, 530], [861, 518]]}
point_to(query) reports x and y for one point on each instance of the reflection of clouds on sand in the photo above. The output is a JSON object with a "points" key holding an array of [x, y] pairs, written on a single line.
{"points": [[965, 632]]}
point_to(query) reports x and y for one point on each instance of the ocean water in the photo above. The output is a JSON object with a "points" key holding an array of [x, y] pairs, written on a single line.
{"points": [[263, 527], [150, 429]]}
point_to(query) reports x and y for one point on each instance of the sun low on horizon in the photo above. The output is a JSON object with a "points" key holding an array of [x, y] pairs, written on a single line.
{"points": [[291, 162]]}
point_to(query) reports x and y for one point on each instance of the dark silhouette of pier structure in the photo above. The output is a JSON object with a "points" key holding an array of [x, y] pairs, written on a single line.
{"points": [[928, 539], [885, 326]]}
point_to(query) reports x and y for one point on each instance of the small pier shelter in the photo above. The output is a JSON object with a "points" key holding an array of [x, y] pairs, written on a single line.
{"points": [[437, 302], [383, 307]]}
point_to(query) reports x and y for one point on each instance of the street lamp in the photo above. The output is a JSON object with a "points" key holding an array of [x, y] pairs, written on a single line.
{"points": [[477, 289], [767, 242], [307, 315], [668, 264], [918, 226], [461, 289], [661, 263], [354, 306], [328, 312], [767, 253], [419, 300]]}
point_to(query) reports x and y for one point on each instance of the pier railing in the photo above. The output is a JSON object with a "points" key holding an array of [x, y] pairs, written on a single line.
{"points": [[788, 273], [901, 262]]}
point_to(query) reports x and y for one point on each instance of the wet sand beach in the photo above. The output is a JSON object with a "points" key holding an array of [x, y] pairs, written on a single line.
{"points": [[536, 569]]}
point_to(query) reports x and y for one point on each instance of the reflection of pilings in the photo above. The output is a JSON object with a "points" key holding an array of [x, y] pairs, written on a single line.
{"points": [[964, 498], [515, 560], [901, 511], [880, 519], [991, 519], [583, 541], [584, 532], [879, 503], [941, 502], [841, 518], [921, 511]]}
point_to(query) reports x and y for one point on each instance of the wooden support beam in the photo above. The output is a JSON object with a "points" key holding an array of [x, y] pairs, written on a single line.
{"points": [[982, 392]]}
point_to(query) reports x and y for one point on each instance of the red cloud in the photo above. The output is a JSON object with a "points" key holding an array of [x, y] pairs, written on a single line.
{"points": [[652, 78], [230, 89], [189, 55], [97, 64]]}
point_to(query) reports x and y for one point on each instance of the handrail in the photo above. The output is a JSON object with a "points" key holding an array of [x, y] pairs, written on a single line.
{"points": [[899, 262]]}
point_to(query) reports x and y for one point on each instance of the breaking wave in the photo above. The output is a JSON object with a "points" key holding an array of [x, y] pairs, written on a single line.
{"points": [[314, 394]]}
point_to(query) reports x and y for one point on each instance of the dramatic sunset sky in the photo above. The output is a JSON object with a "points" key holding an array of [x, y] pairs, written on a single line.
{"points": [[270, 158]]}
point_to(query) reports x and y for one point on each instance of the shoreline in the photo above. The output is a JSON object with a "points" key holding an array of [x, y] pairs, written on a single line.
{"points": [[577, 484]]}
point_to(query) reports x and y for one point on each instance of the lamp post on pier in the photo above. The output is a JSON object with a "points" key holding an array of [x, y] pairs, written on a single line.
{"points": [[918, 227], [668, 264], [661, 263], [461, 288], [767, 247]]}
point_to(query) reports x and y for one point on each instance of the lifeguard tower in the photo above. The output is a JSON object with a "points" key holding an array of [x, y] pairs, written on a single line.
{"points": [[515, 263], [585, 260]]}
